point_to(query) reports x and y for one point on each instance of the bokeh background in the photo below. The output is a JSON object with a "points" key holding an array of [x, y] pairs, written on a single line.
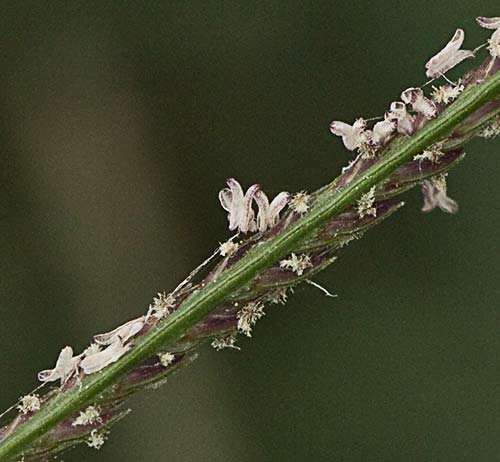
{"points": [[120, 121]]}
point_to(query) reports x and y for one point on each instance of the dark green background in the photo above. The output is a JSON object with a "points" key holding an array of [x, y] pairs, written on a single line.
{"points": [[119, 123]]}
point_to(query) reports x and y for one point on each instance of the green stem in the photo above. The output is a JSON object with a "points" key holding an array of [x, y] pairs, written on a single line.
{"points": [[202, 302]]}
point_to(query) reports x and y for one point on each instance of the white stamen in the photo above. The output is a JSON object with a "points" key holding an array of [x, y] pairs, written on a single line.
{"points": [[325, 291]]}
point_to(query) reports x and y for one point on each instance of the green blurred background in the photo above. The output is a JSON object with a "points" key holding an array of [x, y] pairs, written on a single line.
{"points": [[119, 123]]}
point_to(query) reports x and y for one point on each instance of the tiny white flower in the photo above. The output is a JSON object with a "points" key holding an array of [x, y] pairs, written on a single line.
{"points": [[66, 367], [419, 102], [365, 204], [269, 214], [434, 153], [221, 343], [352, 135], [448, 57], [29, 403], [90, 416], [300, 202], [297, 264], [403, 118], [492, 130], [494, 41], [435, 195], [124, 332], [446, 93], [239, 206], [248, 317], [279, 296], [161, 306], [96, 439], [228, 248], [98, 361], [166, 358]]}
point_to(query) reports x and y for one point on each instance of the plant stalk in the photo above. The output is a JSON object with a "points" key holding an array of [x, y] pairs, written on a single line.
{"points": [[329, 202]]}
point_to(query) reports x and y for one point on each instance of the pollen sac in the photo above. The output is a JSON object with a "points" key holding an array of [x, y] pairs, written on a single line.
{"points": [[241, 214], [239, 206], [66, 367], [435, 195], [448, 57], [352, 135], [404, 120], [419, 103]]}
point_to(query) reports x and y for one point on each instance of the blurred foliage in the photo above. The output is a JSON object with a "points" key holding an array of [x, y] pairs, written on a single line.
{"points": [[120, 122]]}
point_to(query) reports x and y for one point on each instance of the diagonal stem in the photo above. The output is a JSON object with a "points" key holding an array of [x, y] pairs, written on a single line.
{"points": [[202, 302]]}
